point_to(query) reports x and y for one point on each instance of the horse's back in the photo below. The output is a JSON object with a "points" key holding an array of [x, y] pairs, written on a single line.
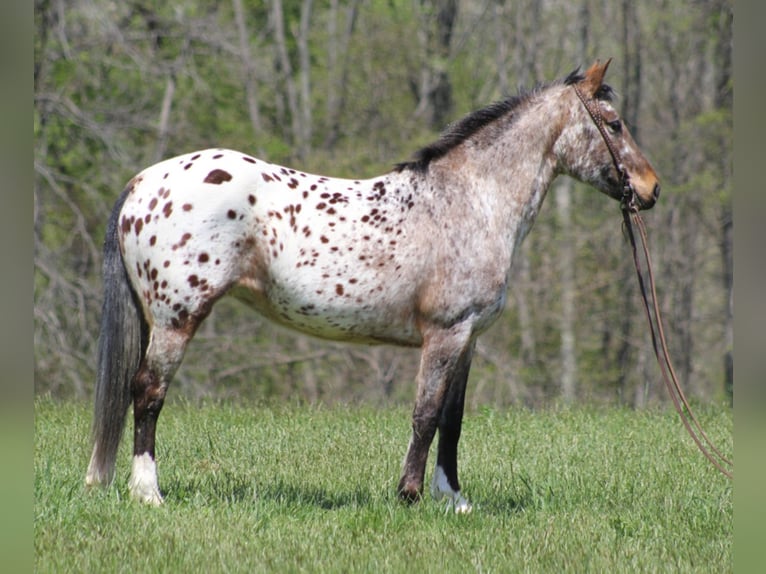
{"points": [[314, 253]]}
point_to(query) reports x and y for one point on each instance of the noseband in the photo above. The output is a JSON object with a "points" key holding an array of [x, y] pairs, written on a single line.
{"points": [[629, 200]]}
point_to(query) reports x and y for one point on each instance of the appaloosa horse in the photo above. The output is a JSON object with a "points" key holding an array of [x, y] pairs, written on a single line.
{"points": [[418, 257]]}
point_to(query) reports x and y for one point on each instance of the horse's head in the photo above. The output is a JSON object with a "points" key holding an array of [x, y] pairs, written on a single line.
{"points": [[599, 149]]}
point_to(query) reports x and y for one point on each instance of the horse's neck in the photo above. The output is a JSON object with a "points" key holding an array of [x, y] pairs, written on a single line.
{"points": [[508, 170]]}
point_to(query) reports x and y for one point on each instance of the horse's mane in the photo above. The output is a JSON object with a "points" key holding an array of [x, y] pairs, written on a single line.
{"points": [[460, 131], [457, 133]]}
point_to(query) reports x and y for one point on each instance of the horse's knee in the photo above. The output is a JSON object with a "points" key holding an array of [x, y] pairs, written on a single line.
{"points": [[163, 357]]}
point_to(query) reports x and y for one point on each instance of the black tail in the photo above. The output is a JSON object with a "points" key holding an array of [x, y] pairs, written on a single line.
{"points": [[121, 347]]}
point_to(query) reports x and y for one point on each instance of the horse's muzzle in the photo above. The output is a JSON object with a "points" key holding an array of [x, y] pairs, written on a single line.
{"points": [[655, 196], [635, 202]]}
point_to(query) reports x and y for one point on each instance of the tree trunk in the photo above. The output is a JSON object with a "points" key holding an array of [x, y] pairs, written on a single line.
{"points": [[435, 89], [527, 25], [306, 120], [251, 92], [337, 68], [627, 357], [566, 260], [726, 244], [631, 40], [501, 47], [723, 100], [568, 288], [162, 129], [286, 71], [310, 385], [526, 320]]}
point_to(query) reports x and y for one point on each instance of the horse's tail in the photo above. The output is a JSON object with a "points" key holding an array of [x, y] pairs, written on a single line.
{"points": [[121, 347]]}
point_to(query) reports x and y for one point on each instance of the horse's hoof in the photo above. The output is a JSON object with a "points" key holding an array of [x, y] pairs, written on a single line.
{"points": [[462, 506], [150, 496], [409, 495]]}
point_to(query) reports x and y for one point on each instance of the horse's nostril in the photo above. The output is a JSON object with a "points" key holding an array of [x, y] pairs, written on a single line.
{"points": [[656, 191]]}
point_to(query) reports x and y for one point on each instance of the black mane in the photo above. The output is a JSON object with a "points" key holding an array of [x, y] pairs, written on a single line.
{"points": [[574, 77], [457, 133]]}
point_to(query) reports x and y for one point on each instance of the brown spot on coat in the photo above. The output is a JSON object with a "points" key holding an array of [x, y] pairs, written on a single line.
{"points": [[218, 176], [184, 238]]}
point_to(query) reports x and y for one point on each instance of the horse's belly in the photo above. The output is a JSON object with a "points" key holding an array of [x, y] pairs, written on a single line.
{"points": [[333, 317]]}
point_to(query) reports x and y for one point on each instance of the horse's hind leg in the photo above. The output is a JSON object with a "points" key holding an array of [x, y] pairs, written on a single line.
{"points": [[163, 356], [446, 353], [445, 480]]}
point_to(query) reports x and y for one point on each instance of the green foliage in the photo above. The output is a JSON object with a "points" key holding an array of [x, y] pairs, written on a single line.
{"points": [[101, 76], [261, 488]]}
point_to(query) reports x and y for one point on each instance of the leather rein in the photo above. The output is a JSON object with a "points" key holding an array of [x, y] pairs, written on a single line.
{"points": [[629, 206]]}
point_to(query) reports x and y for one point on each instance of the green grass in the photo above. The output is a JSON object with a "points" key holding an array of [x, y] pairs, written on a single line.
{"points": [[312, 489]]}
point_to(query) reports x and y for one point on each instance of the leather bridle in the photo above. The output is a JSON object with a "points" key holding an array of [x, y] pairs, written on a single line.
{"points": [[630, 207], [629, 199]]}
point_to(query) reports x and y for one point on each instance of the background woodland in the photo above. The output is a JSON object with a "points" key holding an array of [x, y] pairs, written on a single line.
{"points": [[349, 88]]}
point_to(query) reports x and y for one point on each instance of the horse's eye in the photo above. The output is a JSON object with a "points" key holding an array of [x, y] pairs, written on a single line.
{"points": [[615, 126]]}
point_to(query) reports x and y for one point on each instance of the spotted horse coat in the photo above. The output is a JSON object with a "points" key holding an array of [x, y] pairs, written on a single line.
{"points": [[311, 252], [419, 256]]}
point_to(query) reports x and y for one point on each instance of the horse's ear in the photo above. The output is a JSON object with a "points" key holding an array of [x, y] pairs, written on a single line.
{"points": [[594, 76]]}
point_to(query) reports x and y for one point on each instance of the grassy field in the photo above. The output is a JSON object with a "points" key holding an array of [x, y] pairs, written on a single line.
{"points": [[312, 489]]}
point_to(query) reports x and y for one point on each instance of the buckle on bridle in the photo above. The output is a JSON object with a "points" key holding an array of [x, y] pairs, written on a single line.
{"points": [[629, 200]]}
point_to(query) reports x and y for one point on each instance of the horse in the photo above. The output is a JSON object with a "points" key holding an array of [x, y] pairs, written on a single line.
{"points": [[419, 257]]}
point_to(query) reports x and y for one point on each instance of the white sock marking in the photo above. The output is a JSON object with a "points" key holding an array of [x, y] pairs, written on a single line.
{"points": [[143, 483], [440, 488]]}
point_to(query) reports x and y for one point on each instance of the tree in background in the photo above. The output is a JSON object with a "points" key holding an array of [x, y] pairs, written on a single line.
{"points": [[348, 88]]}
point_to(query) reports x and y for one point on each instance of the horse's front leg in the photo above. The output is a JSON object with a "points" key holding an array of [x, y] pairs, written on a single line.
{"points": [[445, 481], [445, 354]]}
